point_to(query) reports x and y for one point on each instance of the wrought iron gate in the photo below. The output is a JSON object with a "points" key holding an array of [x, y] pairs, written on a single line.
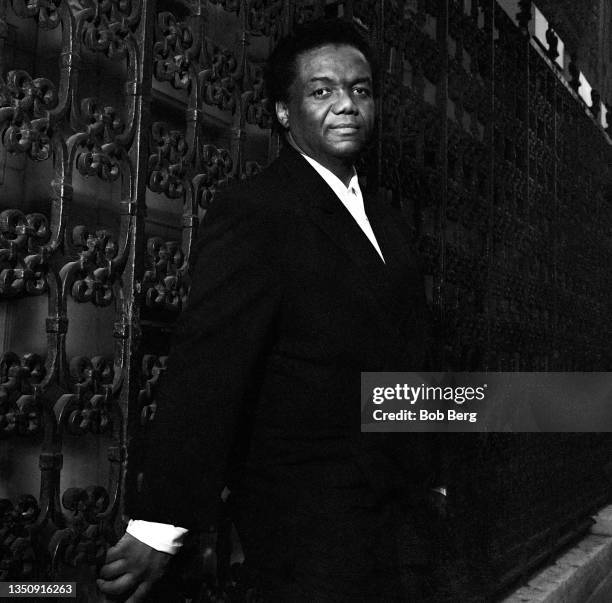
{"points": [[120, 119]]}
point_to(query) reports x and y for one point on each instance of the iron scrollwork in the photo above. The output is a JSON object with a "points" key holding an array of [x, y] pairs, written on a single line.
{"points": [[215, 169], [91, 278], [93, 387], [46, 12], [84, 541], [25, 122], [218, 79], [256, 105], [102, 142], [167, 165], [163, 284], [263, 17], [18, 559], [232, 6], [171, 54], [23, 256], [153, 368], [20, 405], [106, 25]]}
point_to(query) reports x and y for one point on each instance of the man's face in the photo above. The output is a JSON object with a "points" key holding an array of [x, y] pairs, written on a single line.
{"points": [[330, 113]]}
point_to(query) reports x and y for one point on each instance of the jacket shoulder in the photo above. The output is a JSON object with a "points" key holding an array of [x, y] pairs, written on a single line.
{"points": [[267, 190], [255, 214]]}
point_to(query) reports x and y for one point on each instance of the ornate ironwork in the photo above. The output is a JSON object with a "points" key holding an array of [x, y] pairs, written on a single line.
{"points": [[218, 79], [215, 169], [106, 25], [93, 387], [524, 15], [93, 275], [25, 123], [153, 368], [171, 54], [20, 405], [83, 542], [167, 166], [23, 257], [263, 17], [163, 284], [228, 5], [46, 12], [257, 108], [102, 141], [18, 560]]}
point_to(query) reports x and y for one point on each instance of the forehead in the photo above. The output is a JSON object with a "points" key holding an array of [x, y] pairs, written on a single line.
{"points": [[333, 61]]}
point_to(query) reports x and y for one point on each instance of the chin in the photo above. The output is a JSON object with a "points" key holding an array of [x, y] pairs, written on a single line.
{"points": [[348, 153], [346, 148]]}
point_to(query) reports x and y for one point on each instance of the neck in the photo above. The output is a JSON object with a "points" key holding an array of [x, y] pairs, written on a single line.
{"points": [[343, 169], [340, 169]]}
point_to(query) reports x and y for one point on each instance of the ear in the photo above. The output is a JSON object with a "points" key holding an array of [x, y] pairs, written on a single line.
{"points": [[282, 113]]}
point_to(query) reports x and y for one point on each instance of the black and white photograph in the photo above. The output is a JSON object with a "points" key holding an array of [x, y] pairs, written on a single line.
{"points": [[306, 301]]}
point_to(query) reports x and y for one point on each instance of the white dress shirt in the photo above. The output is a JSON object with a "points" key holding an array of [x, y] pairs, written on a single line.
{"points": [[351, 198], [168, 538], [159, 536]]}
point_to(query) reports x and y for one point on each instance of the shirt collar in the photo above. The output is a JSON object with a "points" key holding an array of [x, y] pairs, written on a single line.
{"points": [[332, 180]]}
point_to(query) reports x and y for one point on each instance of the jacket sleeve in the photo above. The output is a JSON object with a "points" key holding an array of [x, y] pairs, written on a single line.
{"points": [[220, 343]]}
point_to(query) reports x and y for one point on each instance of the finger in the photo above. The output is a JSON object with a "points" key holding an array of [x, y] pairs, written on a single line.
{"points": [[121, 549], [114, 569], [116, 552], [140, 593], [123, 585]]}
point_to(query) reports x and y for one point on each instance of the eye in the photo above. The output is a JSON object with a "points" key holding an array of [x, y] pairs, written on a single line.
{"points": [[321, 92], [362, 91]]}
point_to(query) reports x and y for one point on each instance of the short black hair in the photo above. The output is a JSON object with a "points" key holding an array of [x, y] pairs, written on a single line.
{"points": [[282, 64]]}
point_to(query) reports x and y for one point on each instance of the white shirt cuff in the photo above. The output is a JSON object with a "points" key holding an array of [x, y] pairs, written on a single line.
{"points": [[159, 536]]}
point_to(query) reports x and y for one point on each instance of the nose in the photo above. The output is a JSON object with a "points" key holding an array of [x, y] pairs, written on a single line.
{"points": [[345, 103]]}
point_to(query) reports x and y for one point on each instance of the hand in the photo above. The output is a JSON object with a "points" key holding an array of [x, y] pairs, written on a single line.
{"points": [[131, 569]]}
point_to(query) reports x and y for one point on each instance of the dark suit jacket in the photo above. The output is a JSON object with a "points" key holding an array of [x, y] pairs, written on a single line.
{"points": [[289, 303]]}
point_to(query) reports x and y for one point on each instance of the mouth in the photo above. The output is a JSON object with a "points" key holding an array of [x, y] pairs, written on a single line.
{"points": [[345, 130]]}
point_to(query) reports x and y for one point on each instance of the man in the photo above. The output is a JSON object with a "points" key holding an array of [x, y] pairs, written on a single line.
{"points": [[300, 284]]}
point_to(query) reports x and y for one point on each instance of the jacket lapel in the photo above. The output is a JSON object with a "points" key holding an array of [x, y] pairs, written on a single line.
{"points": [[329, 214]]}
